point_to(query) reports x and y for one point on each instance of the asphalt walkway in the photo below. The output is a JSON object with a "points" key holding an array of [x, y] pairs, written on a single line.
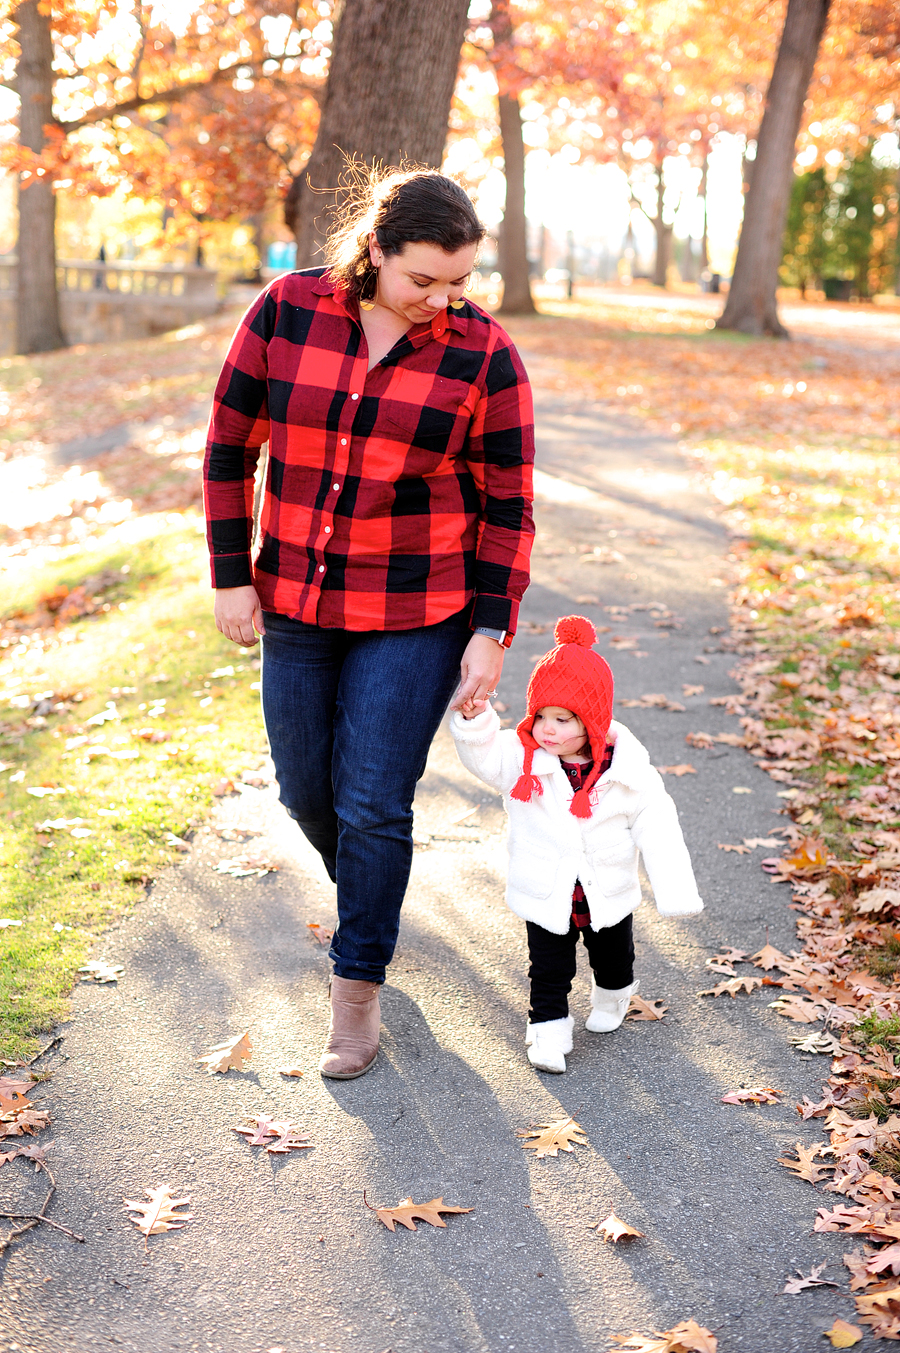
{"points": [[281, 1254]]}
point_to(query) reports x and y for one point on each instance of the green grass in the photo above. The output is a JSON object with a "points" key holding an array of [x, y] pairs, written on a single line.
{"points": [[149, 661]]}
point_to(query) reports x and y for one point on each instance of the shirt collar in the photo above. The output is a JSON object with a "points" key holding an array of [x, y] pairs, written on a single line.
{"points": [[419, 333]]}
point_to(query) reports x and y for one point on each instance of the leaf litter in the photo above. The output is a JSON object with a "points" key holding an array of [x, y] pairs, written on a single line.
{"points": [[228, 1056], [548, 1139]]}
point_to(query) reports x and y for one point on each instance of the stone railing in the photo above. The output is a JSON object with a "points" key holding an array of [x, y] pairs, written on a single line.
{"points": [[108, 301]]}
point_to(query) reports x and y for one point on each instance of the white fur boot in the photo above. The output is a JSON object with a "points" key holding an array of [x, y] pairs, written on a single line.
{"points": [[608, 1007], [548, 1043]]}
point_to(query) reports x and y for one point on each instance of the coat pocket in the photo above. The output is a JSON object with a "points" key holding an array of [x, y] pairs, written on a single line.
{"points": [[532, 875]]}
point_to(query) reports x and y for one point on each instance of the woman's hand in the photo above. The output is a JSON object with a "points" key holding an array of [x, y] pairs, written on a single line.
{"points": [[239, 615], [480, 669]]}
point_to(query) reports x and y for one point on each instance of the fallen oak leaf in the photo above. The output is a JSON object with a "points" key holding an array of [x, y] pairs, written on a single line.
{"points": [[159, 1214], [737, 850], [407, 1213], [320, 932], [228, 1056], [639, 1009], [819, 1041], [14, 1095], [25, 1121], [757, 1094], [729, 955], [799, 1284], [685, 1337], [769, 957], [843, 1335], [290, 1140], [260, 1127], [804, 1167], [288, 1071], [615, 1229], [767, 841], [551, 1138], [798, 1009], [733, 985], [683, 768], [38, 1154], [243, 866]]}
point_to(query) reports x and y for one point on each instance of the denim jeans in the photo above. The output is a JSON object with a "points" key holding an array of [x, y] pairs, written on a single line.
{"points": [[553, 961], [350, 717]]}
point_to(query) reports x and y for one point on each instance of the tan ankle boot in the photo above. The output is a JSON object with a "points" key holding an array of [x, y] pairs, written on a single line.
{"points": [[352, 1043]]}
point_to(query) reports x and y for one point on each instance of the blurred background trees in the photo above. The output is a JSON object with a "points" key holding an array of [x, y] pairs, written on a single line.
{"points": [[602, 139]]}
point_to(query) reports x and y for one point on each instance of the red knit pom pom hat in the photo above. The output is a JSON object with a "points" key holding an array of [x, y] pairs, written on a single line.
{"points": [[571, 676]]}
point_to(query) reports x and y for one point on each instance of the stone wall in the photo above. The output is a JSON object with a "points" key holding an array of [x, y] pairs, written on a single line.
{"points": [[103, 302]]}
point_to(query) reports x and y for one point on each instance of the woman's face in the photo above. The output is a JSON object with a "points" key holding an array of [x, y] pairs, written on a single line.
{"points": [[421, 281], [559, 731]]}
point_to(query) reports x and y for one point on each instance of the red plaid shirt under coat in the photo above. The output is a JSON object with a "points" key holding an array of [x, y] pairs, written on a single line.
{"points": [[393, 497]]}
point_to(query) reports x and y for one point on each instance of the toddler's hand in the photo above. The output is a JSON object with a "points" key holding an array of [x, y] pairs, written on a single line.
{"points": [[471, 708]]}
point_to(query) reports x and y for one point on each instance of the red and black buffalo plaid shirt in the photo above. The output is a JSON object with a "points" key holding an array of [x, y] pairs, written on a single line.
{"points": [[578, 772], [393, 497]]}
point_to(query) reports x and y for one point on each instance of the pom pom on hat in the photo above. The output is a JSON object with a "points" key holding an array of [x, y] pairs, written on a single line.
{"points": [[575, 629], [573, 677]]}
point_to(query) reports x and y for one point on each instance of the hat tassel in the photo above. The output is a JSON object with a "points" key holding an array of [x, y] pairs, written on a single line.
{"points": [[581, 803], [525, 788]]}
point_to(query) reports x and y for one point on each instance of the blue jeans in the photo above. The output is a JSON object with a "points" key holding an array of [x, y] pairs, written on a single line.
{"points": [[350, 717]]}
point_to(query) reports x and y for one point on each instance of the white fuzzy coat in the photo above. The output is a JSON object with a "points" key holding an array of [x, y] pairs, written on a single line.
{"points": [[549, 848]]}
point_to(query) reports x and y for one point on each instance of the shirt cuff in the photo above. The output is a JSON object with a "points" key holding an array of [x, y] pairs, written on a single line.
{"points": [[495, 613], [231, 570]]}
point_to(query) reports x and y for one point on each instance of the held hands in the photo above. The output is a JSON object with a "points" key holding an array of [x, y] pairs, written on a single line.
{"points": [[239, 615], [480, 669]]}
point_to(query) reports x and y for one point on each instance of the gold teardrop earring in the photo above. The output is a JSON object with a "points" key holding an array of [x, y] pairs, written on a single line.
{"points": [[370, 305]]}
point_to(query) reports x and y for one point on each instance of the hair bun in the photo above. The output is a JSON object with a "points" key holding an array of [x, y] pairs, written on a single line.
{"points": [[575, 629]]}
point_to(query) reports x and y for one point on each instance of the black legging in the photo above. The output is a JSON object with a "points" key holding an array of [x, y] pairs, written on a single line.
{"points": [[553, 962]]}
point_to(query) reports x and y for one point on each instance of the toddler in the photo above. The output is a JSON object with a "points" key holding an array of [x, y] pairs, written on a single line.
{"points": [[582, 800]]}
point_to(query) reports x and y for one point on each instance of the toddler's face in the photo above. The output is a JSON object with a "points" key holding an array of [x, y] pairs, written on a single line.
{"points": [[559, 731]]}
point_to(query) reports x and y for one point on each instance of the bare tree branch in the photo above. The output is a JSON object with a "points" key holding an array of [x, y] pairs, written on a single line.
{"points": [[314, 88]]}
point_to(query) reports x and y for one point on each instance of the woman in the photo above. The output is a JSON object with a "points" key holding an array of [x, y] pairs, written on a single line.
{"points": [[394, 540]]}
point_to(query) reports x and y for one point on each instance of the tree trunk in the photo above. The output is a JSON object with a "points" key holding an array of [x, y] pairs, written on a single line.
{"points": [[393, 69], [37, 302], [751, 307], [513, 250]]}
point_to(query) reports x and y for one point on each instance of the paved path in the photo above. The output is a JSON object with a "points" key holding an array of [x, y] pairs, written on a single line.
{"points": [[282, 1255]]}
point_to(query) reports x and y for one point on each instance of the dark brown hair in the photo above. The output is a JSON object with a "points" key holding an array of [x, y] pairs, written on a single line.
{"points": [[403, 206]]}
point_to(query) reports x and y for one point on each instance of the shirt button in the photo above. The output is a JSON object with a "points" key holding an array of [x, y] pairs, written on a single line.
{"points": [[321, 568], [337, 488], [343, 441], [327, 530], [354, 396]]}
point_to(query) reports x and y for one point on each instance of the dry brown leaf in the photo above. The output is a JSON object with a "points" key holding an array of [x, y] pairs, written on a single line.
{"points": [[795, 1008], [738, 850], [757, 1094], [809, 857], [222, 787], [681, 769], [733, 985], [615, 1229], [801, 1283], [13, 1094], [803, 1167], [260, 1128], [159, 1214], [728, 955], [245, 866], [228, 1056], [843, 1335], [290, 1140], [769, 957], [551, 1138], [289, 1071], [639, 1009], [26, 1121], [407, 1213], [319, 932], [687, 691], [685, 1337]]}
